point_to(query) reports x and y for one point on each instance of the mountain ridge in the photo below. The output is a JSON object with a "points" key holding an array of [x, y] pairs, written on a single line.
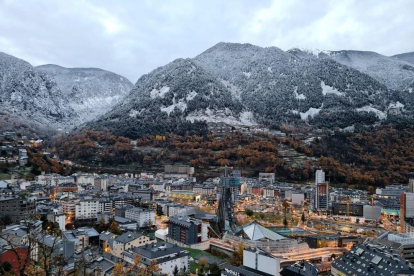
{"points": [[32, 95], [93, 91], [267, 85], [396, 73]]}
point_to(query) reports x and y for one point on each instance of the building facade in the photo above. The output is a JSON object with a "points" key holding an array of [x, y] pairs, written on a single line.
{"points": [[185, 230], [17, 208], [87, 209], [143, 217]]}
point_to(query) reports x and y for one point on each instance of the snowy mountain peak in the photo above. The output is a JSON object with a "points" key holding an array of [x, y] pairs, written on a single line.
{"points": [[32, 96], [92, 91], [407, 57], [313, 52]]}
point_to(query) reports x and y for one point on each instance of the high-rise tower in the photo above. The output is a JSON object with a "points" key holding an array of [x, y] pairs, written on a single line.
{"points": [[226, 220]]}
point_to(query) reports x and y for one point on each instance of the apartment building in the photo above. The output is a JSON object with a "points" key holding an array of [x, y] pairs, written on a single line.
{"points": [[17, 208], [143, 217], [87, 209]]}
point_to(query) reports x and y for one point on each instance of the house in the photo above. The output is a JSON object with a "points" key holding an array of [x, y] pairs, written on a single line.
{"points": [[144, 194], [87, 209], [166, 255], [82, 237], [103, 266], [300, 269], [16, 207], [126, 224], [104, 240], [121, 209], [126, 241]]}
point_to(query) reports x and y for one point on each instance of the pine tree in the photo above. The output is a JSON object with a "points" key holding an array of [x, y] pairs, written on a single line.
{"points": [[175, 271], [285, 222]]}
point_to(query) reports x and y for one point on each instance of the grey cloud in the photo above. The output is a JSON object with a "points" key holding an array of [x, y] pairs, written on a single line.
{"points": [[132, 38]]}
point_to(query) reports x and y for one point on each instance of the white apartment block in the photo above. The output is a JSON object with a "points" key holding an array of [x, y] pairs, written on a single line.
{"points": [[87, 179], [319, 176], [142, 216], [269, 192], [87, 209], [54, 179], [101, 183], [159, 186]]}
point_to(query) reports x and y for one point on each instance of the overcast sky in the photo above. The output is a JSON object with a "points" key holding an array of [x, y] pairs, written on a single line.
{"points": [[132, 38]]}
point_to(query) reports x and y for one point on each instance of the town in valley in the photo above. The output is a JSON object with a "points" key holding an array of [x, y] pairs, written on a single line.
{"points": [[207, 138]]}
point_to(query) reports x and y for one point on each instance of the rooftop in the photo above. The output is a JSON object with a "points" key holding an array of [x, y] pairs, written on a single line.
{"points": [[159, 250], [299, 269], [367, 259], [128, 237], [254, 231], [230, 270]]}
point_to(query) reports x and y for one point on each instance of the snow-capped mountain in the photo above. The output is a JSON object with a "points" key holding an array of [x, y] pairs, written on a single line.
{"points": [[170, 98], [408, 57], [31, 96], [279, 87], [396, 72], [246, 84], [91, 91]]}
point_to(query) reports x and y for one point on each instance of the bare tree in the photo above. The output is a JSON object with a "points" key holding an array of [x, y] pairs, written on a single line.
{"points": [[48, 255], [42, 255], [85, 260], [18, 245]]}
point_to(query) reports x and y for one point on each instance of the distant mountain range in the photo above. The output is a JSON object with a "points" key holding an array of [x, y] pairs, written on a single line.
{"points": [[238, 84], [55, 96], [395, 72]]}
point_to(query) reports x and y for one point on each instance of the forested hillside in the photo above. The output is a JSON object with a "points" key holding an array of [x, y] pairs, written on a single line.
{"points": [[368, 157]]}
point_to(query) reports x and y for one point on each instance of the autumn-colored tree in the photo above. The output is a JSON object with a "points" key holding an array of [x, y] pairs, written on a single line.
{"points": [[114, 228], [118, 269], [236, 258], [286, 206], [371, 189], [223, 162], [152, 268], [203, 264]]}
